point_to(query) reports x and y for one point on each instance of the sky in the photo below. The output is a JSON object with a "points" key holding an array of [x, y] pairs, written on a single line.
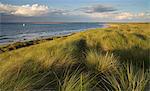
{"points": [[75, 11]]}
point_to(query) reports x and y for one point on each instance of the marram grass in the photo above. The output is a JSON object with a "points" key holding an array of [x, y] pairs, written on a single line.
{"points": [[106, 59]]}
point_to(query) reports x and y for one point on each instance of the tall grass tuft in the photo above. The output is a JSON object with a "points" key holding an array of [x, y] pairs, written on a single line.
{"points": [[76, 79], [99, 61], [127, 78]]}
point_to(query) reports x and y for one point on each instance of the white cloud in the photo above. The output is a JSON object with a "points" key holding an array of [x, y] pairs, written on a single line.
{"points": [[100, 11], [141, 14], [24, 10], [124, 15], [116, 16]]}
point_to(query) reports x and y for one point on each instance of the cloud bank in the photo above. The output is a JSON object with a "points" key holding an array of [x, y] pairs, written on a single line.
{"points": [[100, 11], [96, 12], [24, 10], [99, 8]]}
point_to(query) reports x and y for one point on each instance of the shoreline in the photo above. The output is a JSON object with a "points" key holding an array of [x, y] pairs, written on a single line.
{"points": [[33, 31], [25, 43], [21, 44]]}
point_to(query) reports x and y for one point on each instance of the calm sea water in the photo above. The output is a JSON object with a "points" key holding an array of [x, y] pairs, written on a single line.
{"points": [[13, 32]]}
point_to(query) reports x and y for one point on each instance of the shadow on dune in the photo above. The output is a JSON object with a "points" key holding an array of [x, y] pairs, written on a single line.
{"points": [[136, 56]]}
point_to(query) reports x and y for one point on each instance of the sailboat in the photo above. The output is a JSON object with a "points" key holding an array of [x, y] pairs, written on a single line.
{"points": [[23, 25]]}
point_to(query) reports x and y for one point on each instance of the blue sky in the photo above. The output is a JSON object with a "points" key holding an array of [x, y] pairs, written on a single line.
{"points": [[74, 10]]}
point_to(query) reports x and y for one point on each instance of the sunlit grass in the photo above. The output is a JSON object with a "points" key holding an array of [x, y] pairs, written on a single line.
{"points": [[127, 78], [108, 59], [101, 62]]}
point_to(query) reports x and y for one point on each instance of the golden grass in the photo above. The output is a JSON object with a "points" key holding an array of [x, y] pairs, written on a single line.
{"points": [[96, 56]]}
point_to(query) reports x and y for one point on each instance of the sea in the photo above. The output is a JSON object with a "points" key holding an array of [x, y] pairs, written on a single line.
{"points": [[15, 32]]}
